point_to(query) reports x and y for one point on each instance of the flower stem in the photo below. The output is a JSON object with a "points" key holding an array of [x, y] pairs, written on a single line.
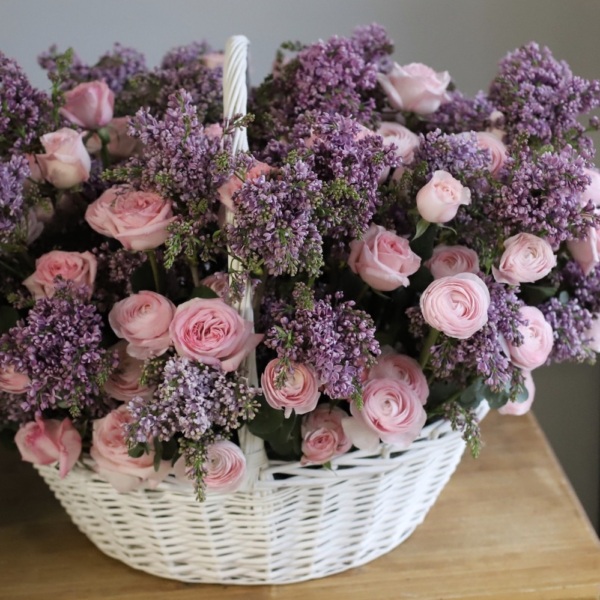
{"points": [[429, 342], [155, 270], [195, 274]]}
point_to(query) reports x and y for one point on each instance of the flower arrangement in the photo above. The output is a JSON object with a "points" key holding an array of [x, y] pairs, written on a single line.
{"points": [[409, 251]]}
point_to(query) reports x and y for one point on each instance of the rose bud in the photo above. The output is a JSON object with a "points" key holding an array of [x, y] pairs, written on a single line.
{"points": [[89, 105], [538, 339], [452, 260], [323, 436], [226, 467], [438, 201]]}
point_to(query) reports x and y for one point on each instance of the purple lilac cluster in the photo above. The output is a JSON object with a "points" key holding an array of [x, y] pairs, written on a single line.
{"points": [[541, 98], [585, 288], [194, 400], [59, 346], [185, 56], [462, 113], [336, 339], [13, 174]]}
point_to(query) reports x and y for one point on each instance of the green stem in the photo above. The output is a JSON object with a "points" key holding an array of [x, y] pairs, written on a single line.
{"points": [[104, 155], [195, 274], [155, 270], [429, 342]]}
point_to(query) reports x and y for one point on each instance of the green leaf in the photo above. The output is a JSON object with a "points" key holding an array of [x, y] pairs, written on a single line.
{"points": [[286, 441], [203, 291], [423, 245], [422, 227], [534, 294], [142, 278], [8, 318], [266, 421], [420, 280], [137, 450]]}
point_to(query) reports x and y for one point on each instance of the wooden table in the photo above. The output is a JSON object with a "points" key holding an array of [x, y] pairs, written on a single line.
{"points": [[508, 526]]}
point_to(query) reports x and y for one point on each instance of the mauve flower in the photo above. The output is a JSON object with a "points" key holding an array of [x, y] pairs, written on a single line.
{"points": [[452, 260], [438, 201], [323, 436], [124, 382], [538, 339], [225, 467], [89, 105]]}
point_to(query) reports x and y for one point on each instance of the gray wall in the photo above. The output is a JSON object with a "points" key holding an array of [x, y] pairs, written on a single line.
{"points": [[465, 37]]}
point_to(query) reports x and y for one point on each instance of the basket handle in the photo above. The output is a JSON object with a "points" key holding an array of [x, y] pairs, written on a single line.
{"points": [[235, 98]]}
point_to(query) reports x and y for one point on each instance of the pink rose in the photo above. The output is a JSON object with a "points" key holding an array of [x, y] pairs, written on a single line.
{"points": [[79, 267], [226, 467], [143, 320], [452, 260], [218, 282], [111, 454], [538, 339], [323, 436], [392, 412], [89, 105], [438, 201], [139, 220], [520, 408], [12, 381], [457, 305], [124, 382], [44, 442], [415, 87], [121, 144], [497, 149], [66, 162], [405, 143], [526, 258], [234, 183], [211, 332], [214, 60], [300, 392], [383, 259], [593, 334], [391, 365]]}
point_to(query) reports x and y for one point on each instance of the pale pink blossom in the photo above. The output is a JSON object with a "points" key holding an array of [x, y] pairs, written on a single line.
{"points": [[452, 260], [225, 467], [218, 282], [124, 382], [234, 183], [323, 436], [405, 143], [498, 151], [520, 408], [89, 105], [12, 381], [438, 200], [538, 339]]}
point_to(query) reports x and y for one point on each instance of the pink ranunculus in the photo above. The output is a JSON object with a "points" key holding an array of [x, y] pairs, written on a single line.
{"points": [[300, 392], [538, 339], [234, 183], [139, 220], [415, 87], [214, 131], [211, 332], [78, 267], [213, 60], [12, 381], [497, 149], [323, 436], [593, 334], [111, 454], [438, 201], [66, 162], [526, 258], [520, 408], [44, 442], [457, 305], [143, 320], [218, 282], [226, 467], [124, 382], [452, 260], [391, 365], [383, 259], [392, 412], [89, 105], [405, 143]]}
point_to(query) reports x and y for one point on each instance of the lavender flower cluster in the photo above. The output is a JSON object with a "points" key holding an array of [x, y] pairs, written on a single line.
{"points": [[13, 175]]}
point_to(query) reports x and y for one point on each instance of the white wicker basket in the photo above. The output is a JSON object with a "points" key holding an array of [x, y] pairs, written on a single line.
{"points": [[291, 522]]}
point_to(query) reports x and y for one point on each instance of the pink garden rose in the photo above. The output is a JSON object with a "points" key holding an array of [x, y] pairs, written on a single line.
{"points": [[520, 408], [226, 467], [218, 282], [452, 260], [124, 382], [391, 365], [497, 149], [438, 200], [392, 412], [211, 332], [383, 259], [143, 320], [526, 258], [538, 339], [111, 454], [78, 267], [89, 105], [323, 436], [405, 143], [66, 162], [12, 381], [234, 183], [45, 442], [300, 392], [415, 87], [139, 220], [457, 305]]}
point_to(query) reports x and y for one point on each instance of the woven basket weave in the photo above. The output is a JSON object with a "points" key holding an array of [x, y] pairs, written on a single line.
{"points": [[290, 522]]}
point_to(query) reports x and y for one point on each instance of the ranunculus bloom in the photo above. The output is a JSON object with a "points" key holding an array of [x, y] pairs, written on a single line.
{"points": [[13, 382], [111, 454], [143, 320], [520, 408], [300, 392], [526, 258], [457, 305], [211, 332], [44, 442], [234, 183], [383, 259], [323, 436], [452, 260], [391, 365], [124, 382], [226, 467], [415, 87], [438, 200], [78, 267], [218, 282], [405, 142], [538, 339], [392, 412], [89, 105], [497, 149], [66, 162], [139, 220]]}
